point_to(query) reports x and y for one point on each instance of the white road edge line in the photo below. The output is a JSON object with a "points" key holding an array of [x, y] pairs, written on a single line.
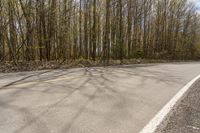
{"points": [[160, 116]]}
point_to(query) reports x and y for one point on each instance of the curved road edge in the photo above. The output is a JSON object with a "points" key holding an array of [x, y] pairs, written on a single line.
{"points": [[152, 126]]}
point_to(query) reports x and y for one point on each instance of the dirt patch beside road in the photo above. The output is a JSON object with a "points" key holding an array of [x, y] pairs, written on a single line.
{"points": [[185, 117]]}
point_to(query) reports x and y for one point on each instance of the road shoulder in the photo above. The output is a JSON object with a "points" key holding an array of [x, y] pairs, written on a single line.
{"points": [[185, 116]]}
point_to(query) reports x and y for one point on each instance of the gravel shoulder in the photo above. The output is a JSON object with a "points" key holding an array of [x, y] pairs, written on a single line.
{"points": [[185, 116]]}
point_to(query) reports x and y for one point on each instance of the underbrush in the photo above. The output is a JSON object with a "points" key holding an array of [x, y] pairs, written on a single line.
{"points": [[42, 65]]}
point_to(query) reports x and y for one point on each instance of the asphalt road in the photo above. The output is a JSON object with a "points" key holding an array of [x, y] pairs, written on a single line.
{"points": [[120, 99], [185, 116]]}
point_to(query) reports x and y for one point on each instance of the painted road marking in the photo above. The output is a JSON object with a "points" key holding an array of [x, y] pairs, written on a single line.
{"points": [[161, 115]]}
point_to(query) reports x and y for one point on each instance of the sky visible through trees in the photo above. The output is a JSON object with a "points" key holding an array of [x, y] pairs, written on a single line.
{"points": [[46, 30], [197, 4]]}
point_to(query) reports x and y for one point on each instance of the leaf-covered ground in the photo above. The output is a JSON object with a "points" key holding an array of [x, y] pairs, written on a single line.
{"points": [[41, 65]]}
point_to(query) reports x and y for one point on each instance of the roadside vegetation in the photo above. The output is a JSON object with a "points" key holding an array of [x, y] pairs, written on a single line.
{"points": [[95, 32]]}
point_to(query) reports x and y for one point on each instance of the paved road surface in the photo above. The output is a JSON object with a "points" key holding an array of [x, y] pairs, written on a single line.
{"points": [[185, 116], [119, 99]]}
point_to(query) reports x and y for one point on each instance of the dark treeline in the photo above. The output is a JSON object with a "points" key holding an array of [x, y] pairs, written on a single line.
{"points": [[48, 30]]}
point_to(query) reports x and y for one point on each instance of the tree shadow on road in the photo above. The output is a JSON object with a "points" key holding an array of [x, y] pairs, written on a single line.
{"points": [[100, 79]]}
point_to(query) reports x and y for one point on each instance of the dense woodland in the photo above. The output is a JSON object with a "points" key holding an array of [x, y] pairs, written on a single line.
{"points": [[49, 30]]}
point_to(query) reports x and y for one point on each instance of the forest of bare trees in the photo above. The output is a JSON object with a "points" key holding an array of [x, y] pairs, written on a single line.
{"points": [[48, 30]]}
